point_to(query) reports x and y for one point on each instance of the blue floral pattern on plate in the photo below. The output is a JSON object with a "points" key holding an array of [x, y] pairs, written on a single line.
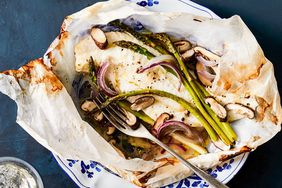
{"points": [[86, 168], [149, 3], [90, 169], [86, 173], [196, 181]]}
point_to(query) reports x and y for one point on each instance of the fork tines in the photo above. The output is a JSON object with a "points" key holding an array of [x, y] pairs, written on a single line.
{"points": [[112, 113]]}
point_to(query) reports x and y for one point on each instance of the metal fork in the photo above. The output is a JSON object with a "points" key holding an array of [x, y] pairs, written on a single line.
{"points": [[117, 118]]}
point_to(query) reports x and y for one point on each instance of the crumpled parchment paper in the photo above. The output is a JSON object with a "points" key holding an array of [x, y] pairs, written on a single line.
{"points": [[43, 92]]}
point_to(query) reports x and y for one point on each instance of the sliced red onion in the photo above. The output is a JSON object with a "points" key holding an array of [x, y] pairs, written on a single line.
{"points": [[169, 127], [172, 126], [163, 151], [163, 63], [168, 58], [178, 146], [102, 82], [206, 62], [206, 75]]}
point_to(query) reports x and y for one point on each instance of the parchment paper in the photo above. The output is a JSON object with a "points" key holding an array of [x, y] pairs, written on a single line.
{"points": [[43, 90]]}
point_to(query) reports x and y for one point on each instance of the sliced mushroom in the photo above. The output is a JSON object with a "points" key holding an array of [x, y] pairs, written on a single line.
{"points": [[206, 75], [88, 106], [113, 142], [189, 53], [240, 109], [111, 130], [131, 118], [98, 116], [219, 110], [161, 119], [99, 37], [182, 46], [142, 103], [206, 53]]}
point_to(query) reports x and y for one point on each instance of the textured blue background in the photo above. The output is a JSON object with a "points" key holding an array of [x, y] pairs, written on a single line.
{"points": [[28, 27]]}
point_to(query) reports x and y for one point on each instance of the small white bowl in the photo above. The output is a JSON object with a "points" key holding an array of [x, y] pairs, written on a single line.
{"points": [[23, 167]]}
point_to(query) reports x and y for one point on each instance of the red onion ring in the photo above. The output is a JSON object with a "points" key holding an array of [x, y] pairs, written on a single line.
{"points": [[171, 126], [102, 82], [163, 63]]}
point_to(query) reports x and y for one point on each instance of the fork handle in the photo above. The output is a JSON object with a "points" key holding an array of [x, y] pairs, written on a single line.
{"points": [[206, 177]]}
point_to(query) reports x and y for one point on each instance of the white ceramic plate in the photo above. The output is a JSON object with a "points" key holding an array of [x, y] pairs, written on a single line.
{"points": [[93, 175]]}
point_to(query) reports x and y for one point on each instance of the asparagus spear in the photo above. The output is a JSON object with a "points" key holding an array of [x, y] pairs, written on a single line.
{"points": [[165, 40], [140, 114], [179, 100], [145, 39], [134, 47], [92, 70], [225, 125]]}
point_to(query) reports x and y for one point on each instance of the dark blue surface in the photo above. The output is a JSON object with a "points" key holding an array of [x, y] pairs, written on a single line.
{"points": [[28, 27]]}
